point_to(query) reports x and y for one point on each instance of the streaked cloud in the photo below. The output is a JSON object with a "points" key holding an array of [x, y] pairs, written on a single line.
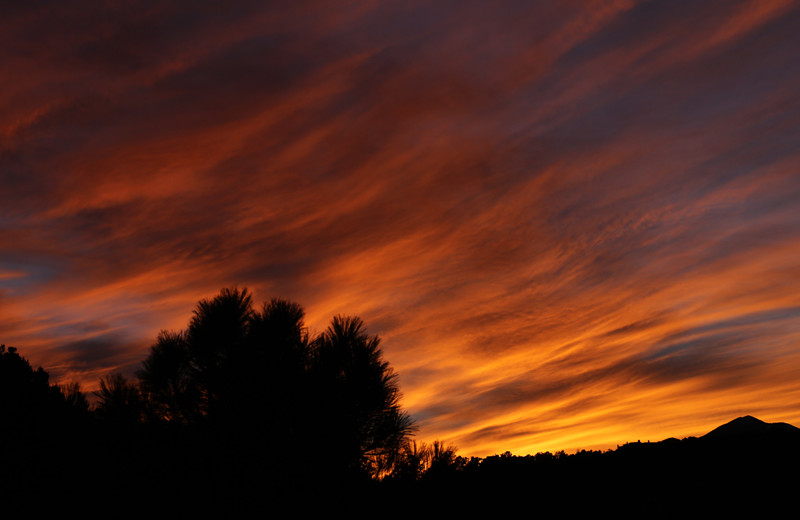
{"points": [[573, 224]]}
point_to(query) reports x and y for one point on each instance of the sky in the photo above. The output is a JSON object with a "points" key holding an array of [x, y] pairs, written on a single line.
{"points": [[573, 224]]}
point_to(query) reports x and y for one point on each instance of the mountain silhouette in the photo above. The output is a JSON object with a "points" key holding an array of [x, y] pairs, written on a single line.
{"points": [[749, 426]]}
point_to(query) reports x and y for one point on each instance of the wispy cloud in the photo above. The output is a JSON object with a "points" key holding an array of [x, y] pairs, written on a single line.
{"points": [[574, 224]]}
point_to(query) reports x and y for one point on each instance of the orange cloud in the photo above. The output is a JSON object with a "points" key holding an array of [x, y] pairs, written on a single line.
{"points": [[573, 225]]}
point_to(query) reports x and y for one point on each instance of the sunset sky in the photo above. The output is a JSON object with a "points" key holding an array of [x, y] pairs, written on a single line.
{"points": [[573, 224]]}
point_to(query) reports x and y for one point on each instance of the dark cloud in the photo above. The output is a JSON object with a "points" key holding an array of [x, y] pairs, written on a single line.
{"points": [[98, 351]]}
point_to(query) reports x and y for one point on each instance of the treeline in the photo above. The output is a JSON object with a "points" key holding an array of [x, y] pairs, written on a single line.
{"points": [[752, 473], [241, 402]]}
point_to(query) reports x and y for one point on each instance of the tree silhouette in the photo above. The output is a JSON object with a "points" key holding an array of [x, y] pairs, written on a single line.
{"points": [[412, 462], [358, 397], [42, 425], [217, 337], [29, 404], [166, 382], [273, 375], [75, 397], [425, 461], [256, 376], [119, 400], [278, 334]]}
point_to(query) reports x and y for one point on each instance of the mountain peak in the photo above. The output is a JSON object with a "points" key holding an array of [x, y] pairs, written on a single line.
{"points": [[749, 425]]}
